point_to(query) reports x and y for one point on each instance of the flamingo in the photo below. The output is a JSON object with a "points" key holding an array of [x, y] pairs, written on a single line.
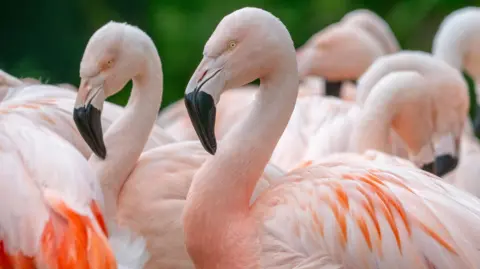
{"points": [[343, 214], [459, 49], [338, 53], [51, 214], [344, 50], [144, 192], [457, 42], [448, 95]]}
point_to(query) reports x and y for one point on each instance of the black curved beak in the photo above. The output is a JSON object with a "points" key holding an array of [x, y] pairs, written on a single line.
{"points": [[87, 116], [201, 110], [444, 164], [89, 124], [429, 167]]}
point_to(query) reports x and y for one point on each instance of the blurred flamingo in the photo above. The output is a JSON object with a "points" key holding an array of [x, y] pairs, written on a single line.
{"points": [[145, 192], [51, 214], [457, 42], [336, 214], [341, 52]]}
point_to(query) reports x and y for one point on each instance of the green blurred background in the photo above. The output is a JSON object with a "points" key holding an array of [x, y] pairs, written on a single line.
{"points": [[45, 39]]}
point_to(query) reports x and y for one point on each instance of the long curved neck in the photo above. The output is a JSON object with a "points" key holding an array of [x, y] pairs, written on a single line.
{"points": [[372, 130], [126, 137], [245, 151], [450, 51], [221, 189]]}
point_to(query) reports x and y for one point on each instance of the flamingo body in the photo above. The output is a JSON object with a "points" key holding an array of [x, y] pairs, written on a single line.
{"points": [[366, 214], [50, 218]]}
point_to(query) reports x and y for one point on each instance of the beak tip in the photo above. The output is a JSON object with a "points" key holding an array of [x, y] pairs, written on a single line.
{"points": [[212, 149], [101, 153], [429, 167], [444, 164], [201, 110]]}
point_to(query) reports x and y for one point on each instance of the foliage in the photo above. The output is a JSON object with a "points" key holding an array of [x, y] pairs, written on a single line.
{"points": [[46, 38]]}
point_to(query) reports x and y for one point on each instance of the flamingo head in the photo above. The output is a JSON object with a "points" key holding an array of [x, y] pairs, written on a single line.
{"points": [[246, 45], [114, 55]]}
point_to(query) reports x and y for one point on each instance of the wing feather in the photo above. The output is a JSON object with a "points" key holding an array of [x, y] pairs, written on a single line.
{"points": [[50, 201], [370, 214]]}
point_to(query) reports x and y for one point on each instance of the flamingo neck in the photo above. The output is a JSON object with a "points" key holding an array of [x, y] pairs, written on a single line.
{"points": [[448, 46], [373, 129], [450, 54], [221, 190], [126, 137]]}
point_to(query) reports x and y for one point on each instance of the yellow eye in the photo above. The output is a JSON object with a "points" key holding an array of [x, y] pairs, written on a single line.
{"points": [[232, 44], [110, 63]]}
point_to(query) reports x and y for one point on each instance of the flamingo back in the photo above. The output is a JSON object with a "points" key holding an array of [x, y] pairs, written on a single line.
{"points": [[359, 213], [51, 215]]}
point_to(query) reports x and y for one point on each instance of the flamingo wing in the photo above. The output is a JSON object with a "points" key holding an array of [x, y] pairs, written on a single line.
{"points": [[368, 214], [50, 215]]}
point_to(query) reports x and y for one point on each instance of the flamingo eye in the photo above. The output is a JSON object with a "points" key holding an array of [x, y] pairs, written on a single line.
{"points": [[105, 65], [232, 44]]}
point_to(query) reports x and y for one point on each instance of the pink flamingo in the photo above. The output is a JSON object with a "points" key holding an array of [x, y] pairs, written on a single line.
{"points": [[52, 206], [343, 51], [448, 99], [340, 214], [146, 191], [341, 40], [458, 43]]}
